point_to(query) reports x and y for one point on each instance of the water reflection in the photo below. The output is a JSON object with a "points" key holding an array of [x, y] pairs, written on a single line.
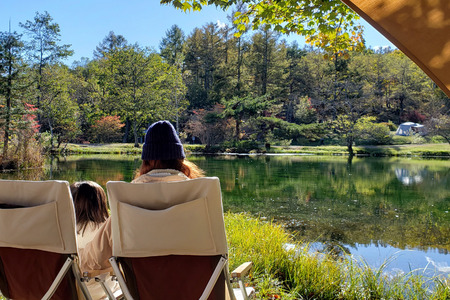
{"points": [[408, 177], [346, 207], [428, 263]]}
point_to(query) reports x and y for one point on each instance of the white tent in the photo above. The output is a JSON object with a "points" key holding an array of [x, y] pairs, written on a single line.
{"points": [[409, 128]]}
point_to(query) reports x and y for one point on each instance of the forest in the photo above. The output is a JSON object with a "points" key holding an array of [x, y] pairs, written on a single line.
{"points": [[219, 88]]}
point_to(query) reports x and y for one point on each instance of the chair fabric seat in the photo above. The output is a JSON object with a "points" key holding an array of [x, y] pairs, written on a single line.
{"points": [[38, 244], [19, 280], [172, 277]]}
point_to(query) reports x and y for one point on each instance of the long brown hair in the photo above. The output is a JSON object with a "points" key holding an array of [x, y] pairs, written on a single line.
{"points": [[184, 166], [89, 200]]}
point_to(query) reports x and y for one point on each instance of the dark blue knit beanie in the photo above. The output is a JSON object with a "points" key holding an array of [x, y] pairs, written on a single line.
{"points": [[162, 142]]}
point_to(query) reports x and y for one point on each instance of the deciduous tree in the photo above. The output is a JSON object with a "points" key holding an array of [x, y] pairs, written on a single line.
{"points": [[141, 86], [107, 129], [440, 125], [327, 24], [59, 110], [208, 125]]}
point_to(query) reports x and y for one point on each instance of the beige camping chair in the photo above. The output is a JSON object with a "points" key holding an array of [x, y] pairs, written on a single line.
{"points": [[169, 240], [38, 248]]}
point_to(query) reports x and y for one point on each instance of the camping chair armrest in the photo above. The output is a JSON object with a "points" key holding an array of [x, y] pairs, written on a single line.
{"points": [[242, 270], [243, 292]]}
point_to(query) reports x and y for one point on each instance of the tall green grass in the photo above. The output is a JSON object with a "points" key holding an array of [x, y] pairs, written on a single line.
{"points": [[298, 273]]}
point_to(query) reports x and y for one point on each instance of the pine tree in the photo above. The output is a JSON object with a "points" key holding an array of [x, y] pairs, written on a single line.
{"points": [[110, 43], [172, 46], [12, 85], [43, 47]]}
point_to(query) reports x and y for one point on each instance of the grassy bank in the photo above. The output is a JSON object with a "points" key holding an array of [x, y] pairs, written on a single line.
{"points": [[425, 150], [116, 148], [297, 273]]}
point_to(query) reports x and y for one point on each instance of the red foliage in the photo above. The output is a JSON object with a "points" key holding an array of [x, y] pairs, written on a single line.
{"points": [[31, 117], [309, 104], [109, 121], [107, 129], [415, 116]]}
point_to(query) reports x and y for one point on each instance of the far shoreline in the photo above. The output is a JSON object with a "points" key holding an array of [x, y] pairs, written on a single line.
{"points": [[409, 150]]}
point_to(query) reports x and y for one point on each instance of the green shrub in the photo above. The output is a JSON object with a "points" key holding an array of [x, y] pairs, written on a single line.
{"points": [[370, 133], [401, 140], [391, 125], [410, 139], [435, 139], [194, 148], [244, 146]]}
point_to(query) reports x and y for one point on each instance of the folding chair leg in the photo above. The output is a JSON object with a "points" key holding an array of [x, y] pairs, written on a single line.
{"points": [[58, 279], [101, 280], [212, 281], [243, 290], [81, 284], [123, 285], [228, 283]]}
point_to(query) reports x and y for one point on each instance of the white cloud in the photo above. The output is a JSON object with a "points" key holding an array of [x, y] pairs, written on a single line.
{"points": [[376, 48], [440, 266], [220, 24]]}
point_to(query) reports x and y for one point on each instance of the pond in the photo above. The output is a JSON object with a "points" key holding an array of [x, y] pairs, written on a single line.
{"points": [[377, 209]]}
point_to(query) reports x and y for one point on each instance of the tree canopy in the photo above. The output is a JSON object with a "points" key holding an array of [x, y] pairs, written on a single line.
{"points": [[330, 24]]}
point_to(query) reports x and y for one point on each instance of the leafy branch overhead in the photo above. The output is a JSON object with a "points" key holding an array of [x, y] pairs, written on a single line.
{"points": [[327, 24]]}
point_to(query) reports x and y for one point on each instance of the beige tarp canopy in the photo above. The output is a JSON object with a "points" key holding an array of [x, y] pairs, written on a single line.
{"points": [[419, 28]]}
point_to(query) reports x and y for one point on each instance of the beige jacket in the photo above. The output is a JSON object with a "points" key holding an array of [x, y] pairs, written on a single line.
{"points": [[95, 289], [96, 253]]}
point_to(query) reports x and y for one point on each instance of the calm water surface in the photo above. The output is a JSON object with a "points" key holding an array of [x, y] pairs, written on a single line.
{"points": [[374, 208]]}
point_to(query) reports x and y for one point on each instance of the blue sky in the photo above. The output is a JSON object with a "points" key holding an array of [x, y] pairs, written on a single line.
{"points": [[84, 24]]}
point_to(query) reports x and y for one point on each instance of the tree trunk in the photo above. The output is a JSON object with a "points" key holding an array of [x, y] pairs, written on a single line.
{"points": [[350, 146], [265, 64], [401, 107], [8, 108], [127, 131], [39, 87], [136, 142], [239, 68], [51, 135], [238, 133], [349, 164]]}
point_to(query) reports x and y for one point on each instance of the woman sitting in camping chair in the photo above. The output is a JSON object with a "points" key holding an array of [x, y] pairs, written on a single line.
{"points": [[163, 159]]}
